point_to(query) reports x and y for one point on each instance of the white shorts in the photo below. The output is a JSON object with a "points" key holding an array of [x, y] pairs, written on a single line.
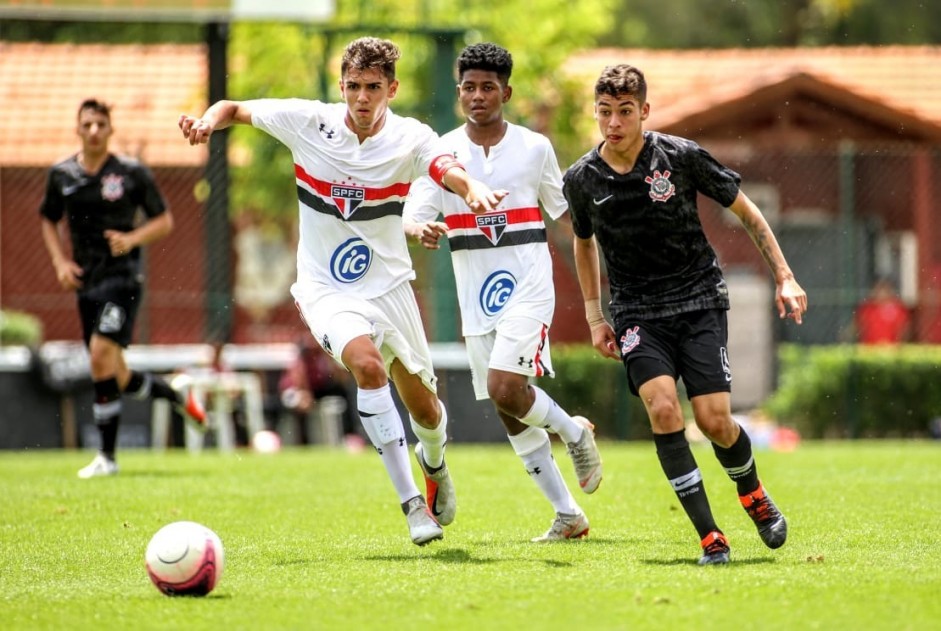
{"points": [[519, 345], [391, 320]]}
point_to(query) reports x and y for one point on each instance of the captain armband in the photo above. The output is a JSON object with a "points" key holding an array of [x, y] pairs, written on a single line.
{"points": [[593, 313], [441, 165]]}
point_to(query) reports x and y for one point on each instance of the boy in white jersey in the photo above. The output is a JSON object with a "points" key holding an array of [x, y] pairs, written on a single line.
{"points": [[503, 271], [354, 163]]}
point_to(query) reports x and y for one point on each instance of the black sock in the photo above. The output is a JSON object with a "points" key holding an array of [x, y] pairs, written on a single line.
{"points": [[138, 385], [107, 413], [739, 462], [678, 464], [144, 384], [160, 389]]}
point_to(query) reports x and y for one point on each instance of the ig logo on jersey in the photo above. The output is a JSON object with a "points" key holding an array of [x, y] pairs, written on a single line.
{"points": [[496, 291], [351, 261]]}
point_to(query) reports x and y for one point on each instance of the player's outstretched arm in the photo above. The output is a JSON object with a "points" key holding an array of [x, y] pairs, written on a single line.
{"points": [[449, 174], [220, 115], [790, 299]]}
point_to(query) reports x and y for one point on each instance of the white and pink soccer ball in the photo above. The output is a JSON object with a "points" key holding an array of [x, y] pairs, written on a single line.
{"points": [[185, 559], [266, 442]]}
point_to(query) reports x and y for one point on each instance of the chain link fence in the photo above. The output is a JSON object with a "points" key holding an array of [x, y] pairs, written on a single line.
{"points": [[844, 218]]}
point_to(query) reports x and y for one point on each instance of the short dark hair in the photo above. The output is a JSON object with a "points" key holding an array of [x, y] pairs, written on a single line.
{"points": [[622, 79], [371, 52], [485, 56], [97, 106]]}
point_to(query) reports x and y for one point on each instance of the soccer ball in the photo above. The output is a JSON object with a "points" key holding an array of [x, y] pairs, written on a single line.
{"points": [[185, 559], [266, 442]]}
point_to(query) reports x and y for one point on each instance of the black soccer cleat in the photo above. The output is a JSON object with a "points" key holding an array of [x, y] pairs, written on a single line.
{"points": [[772, 527], [715, 549]]}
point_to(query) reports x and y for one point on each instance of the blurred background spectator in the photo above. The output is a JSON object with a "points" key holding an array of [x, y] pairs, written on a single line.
{"points": [[316, 388], [882, 318]]}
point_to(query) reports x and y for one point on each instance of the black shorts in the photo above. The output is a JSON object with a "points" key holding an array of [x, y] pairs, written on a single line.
{"points": [[110, 309], [691, 346]]}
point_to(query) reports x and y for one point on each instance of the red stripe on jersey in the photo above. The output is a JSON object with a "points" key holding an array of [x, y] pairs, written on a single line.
{"points": [[540, 367], [325, 188], [468, 221]]}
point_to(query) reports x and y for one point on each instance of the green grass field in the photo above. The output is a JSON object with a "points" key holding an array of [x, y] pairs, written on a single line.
{"points": [[314, 539]]}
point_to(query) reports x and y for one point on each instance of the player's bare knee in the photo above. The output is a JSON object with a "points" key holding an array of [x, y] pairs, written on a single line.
{"points": [[510, 396], [368, 371], [666, 414], [426, 412], [719, 428]]}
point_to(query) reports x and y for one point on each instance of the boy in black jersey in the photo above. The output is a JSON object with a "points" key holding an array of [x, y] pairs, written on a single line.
{"points": [[635, 196], [100, 194]]}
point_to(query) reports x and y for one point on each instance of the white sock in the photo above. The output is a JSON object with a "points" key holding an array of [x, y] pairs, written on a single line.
{"points": [[533, 448], [432, 440], [384, 427], [548, 414]]}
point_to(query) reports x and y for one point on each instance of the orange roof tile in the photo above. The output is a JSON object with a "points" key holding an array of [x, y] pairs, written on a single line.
{"points": [[681, 82], [41, 86]]}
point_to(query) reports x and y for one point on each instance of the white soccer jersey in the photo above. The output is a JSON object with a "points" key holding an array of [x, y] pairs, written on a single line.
{"points": [[350, 194], [501, 258]]}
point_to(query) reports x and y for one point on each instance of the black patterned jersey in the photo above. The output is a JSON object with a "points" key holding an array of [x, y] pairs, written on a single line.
{"points": [[647, 225], [107, 200]]}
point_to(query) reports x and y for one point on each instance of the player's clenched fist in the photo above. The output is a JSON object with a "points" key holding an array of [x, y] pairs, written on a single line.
{"points": [[196, 130]]}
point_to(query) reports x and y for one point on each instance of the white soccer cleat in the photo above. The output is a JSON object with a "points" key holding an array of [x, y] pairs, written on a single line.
{"points": [[439, 489], [421, 523], [100, 466], [585, 456], [565, 527]]}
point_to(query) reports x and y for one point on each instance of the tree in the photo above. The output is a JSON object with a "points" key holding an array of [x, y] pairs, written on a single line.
{"points": [[283, 60]]}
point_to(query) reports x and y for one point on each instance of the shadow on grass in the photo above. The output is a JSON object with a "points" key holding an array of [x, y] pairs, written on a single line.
{"points": [[460, 556], [687, 561], [450, 555], [161, 473]]}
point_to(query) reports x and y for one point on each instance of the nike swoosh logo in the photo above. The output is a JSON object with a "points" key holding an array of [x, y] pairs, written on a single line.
{"points": [[434, 501], [599, 202]]}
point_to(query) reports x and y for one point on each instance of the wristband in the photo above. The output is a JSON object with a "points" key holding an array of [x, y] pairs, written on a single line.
{"points": [[441, 165], [593, 313]]}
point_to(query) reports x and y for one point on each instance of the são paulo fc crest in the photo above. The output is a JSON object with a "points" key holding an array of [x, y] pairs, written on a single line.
{"points": [[661, 188], [347, 198], [492, 225], [112, 187]]}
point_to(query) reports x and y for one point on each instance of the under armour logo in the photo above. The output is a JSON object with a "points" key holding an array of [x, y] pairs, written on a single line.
{"points": [[526, 362], [326, 132], [534, 471]]}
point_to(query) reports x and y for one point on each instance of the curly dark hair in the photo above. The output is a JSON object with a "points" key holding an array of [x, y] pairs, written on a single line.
{"points": [[486, 56], [99, 107], [371, 53], [620, 80]]}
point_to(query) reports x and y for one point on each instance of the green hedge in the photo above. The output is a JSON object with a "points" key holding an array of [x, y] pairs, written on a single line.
{"points": [[857, 391], [589, 385], [18, 328]]}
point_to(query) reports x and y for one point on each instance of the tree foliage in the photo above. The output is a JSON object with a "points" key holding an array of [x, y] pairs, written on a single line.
{"points": [[302, 60], [282, 60]]}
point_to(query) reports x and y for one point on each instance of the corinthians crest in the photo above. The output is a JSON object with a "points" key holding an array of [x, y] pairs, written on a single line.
{"points": [[661, 188], [112, 187]]}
